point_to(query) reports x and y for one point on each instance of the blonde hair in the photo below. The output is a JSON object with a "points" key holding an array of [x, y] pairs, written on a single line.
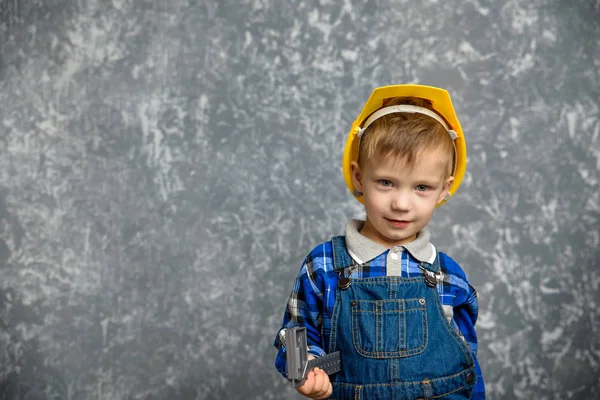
{"points": [[404, 136]]}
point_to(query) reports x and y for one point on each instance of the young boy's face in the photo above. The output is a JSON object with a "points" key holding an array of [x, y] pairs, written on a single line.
{"points": [[399, 200]]}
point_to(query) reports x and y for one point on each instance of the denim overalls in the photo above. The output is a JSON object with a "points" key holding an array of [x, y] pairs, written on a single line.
{"points": [[394, 339]]}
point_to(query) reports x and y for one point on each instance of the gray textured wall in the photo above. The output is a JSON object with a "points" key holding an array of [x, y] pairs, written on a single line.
{"points": [[166, 165]]}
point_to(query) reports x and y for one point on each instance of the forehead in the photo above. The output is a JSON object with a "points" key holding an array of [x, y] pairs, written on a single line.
{"points": [[429, 163]]}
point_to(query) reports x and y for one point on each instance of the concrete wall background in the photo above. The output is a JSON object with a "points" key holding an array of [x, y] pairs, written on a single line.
{"points": [[166, 166]]}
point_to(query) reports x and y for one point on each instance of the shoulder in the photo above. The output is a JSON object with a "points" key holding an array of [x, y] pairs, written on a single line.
{"points": [[317, 269], [320, 257], [450, 267], [455, 276], [324, 249]]}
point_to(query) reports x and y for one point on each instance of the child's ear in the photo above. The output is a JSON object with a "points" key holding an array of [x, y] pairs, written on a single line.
{"points": [[356, 177], [444, 192]]}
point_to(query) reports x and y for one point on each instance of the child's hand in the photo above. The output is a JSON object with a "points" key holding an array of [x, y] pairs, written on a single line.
{"points": [[317, 384]]}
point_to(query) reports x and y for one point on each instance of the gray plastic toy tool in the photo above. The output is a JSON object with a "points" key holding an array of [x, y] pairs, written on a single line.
{"points": [[298, 364]]}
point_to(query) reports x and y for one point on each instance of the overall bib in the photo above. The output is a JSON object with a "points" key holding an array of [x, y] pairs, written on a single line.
{"points": [[394, 339]]}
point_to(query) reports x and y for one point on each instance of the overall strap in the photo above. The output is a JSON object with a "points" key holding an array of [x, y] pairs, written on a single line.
{"points": [[432, 272], [441, 262], [341, 258], [434, 267]]}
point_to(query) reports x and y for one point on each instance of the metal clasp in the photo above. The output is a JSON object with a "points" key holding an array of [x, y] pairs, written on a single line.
{"points": [[430, 278]]}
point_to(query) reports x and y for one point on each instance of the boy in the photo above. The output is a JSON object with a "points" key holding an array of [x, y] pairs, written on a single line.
{"points": [[401, 313]]}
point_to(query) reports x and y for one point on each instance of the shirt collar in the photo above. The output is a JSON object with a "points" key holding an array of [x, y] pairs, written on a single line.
{"points": [[363, 249]]}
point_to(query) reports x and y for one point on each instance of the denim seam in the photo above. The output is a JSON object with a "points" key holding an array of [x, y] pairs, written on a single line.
{"points": [[461, 343], [413, 383], [378, 330], [450, 392], [336, 244], [427, 389], [357, 391], [404, 333], [334, 321]]}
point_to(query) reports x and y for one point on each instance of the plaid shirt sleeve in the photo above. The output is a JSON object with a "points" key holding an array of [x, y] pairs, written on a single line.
{"points": [[465, 310], [306, 302]]}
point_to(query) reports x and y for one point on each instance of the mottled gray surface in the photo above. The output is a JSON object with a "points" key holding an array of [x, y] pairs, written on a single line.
{"points": [[166, 165]]}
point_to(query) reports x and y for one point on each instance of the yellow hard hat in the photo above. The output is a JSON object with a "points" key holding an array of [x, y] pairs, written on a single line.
{"points": [[441, 103]]}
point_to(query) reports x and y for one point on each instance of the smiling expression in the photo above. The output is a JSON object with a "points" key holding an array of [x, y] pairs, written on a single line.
{"points": [[399, 199]]}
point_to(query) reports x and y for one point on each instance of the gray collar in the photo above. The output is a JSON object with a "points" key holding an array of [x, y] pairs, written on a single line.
{"points": [[363, 249]]}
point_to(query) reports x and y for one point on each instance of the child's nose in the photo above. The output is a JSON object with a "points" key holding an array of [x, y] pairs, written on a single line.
{"points": [[401, 201]]}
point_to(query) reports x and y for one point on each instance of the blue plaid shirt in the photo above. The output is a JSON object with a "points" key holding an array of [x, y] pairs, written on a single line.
{"points": [[312, 299]]}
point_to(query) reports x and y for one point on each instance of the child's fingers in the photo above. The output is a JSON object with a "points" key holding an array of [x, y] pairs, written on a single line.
{"points": [[322, 388], [325, 394], [319, 382], [316, 385], [307, 387]]}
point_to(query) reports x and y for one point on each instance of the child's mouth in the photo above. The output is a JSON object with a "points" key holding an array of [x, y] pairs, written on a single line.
{"points": [[398, 223]]}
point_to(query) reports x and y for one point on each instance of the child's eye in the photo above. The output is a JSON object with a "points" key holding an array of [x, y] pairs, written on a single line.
{"points": [[422, 188], [385, 183]]}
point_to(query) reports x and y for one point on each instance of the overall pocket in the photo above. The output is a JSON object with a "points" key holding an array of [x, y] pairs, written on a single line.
{"points": [[389, 328]]}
